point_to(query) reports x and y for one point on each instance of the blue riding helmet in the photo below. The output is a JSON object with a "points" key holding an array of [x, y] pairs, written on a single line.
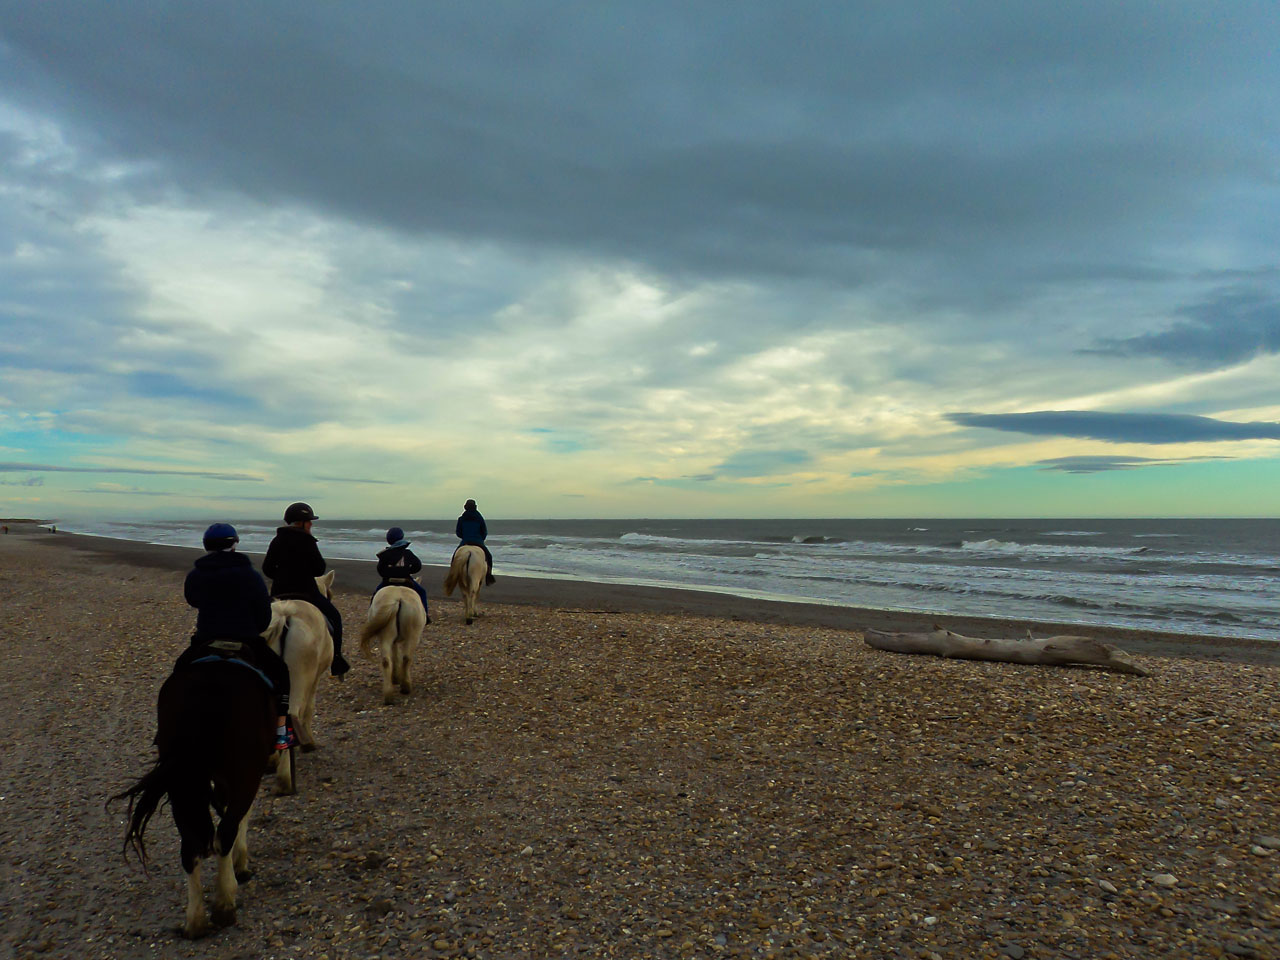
{"points": [[220, 536], [394, 535]]}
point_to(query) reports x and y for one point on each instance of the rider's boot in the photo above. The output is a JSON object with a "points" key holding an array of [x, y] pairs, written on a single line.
{"points": [[339, 667]]}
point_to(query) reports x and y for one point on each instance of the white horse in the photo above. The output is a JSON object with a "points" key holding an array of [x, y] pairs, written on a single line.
{"points": [[395, 621], [308, 652], [467, 570]]}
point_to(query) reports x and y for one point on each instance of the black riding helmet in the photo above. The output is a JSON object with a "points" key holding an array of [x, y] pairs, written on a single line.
{"points": [[299, 511]]}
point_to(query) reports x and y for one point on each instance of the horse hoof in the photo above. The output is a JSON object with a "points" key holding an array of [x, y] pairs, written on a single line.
{"points": [[309, 748], [224, 916], [468, 621], [388, 700], [406, 689], [197, 932], [244, 876]]}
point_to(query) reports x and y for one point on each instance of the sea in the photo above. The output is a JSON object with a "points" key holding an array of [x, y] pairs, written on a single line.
{"points": [[1219, 577]]}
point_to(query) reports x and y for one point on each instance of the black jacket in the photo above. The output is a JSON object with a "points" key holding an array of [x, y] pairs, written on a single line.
{"points": [[293, 562], [471, 527], [229, 595], [397, 563]]}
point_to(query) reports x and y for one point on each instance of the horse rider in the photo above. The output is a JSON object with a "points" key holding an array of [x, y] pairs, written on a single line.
{"points": [[232, 604], [471, 530], [397, 564], [293, 562]]}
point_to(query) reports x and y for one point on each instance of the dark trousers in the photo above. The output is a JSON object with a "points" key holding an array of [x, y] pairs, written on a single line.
{"points": [[257, 652], [411, 584]]}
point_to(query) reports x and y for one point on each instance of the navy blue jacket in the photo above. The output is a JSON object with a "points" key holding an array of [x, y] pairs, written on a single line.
{"points": [[471, 528], [229, 595], [293, 562]]}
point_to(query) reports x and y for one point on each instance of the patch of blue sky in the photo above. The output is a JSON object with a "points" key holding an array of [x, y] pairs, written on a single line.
{"points": [[762, 463], [165, 386], [561, 442]]}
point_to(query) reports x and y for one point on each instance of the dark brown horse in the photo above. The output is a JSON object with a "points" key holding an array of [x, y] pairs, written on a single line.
{"points": [[215, 734]]}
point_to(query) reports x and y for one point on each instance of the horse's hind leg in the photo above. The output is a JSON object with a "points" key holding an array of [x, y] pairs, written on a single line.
{"points": [[405, 667], [302, 717], [389, 657], [197, 924], [229, 837], [240, 852], [284, 774]]}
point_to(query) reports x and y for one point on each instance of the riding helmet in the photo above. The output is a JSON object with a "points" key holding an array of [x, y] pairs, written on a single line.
{"points": [[299, 511], [220, 536], [395, 535]]}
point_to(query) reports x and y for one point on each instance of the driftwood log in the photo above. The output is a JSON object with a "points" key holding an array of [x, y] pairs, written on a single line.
{"points": [[1064, 651]]}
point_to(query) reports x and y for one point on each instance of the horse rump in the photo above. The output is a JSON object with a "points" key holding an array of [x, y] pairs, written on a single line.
{"points": [[214, 732]]}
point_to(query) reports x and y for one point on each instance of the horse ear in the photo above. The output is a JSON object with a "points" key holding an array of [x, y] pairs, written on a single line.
{"points": [[327, 581]]}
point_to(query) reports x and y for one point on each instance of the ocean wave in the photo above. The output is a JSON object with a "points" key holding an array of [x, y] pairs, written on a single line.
{"points": [[1049, 549], [1073, 533]]}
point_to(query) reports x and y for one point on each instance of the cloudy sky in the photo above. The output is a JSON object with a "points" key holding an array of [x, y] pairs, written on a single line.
{"points": [[656, 259]]}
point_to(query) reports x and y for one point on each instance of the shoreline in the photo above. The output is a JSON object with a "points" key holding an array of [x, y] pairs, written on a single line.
{"points": [[358, 577]]}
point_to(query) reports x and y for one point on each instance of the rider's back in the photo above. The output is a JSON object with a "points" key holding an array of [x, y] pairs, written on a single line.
{"points": [[230, 597], [293, 562]]}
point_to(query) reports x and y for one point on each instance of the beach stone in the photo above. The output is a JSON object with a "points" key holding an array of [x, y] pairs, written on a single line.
{"points": [[1108, 886], [1165, 880], [1013, 950], [1271, 843]]}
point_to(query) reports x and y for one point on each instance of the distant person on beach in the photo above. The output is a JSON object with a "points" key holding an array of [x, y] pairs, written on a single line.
{"points": [[397, 564], [232, 603], [293, 562], [471, 530]]}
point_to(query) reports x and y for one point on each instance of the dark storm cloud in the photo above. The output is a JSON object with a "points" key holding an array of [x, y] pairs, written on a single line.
{"points": [[1231, 326], [1103, 464], [1121, 427], [11, 467], [840, 141]]}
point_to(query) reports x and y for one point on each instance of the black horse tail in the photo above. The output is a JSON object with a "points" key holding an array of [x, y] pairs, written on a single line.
{"points": [[189, 792]]}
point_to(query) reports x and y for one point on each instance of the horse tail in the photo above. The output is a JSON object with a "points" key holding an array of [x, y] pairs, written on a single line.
{"points": [[380, 617], [451, 579], [175, 775], [276, 629], [144, 797]]}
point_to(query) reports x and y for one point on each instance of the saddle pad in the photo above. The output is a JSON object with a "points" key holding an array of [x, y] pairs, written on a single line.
{"points": [[215, 658]]}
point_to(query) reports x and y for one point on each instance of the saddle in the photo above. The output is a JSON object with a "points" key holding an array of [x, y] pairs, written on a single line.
{"points": [[228, 651]]}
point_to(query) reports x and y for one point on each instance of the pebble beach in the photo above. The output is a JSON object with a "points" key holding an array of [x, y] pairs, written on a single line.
{"points": [[608, 772]]}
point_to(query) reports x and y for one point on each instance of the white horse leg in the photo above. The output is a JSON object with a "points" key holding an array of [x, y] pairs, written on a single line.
{"points": [[388, 666], [224, 893], [306, 716], [197, 920], [284, 774], [240, 851], [406, 669]]}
